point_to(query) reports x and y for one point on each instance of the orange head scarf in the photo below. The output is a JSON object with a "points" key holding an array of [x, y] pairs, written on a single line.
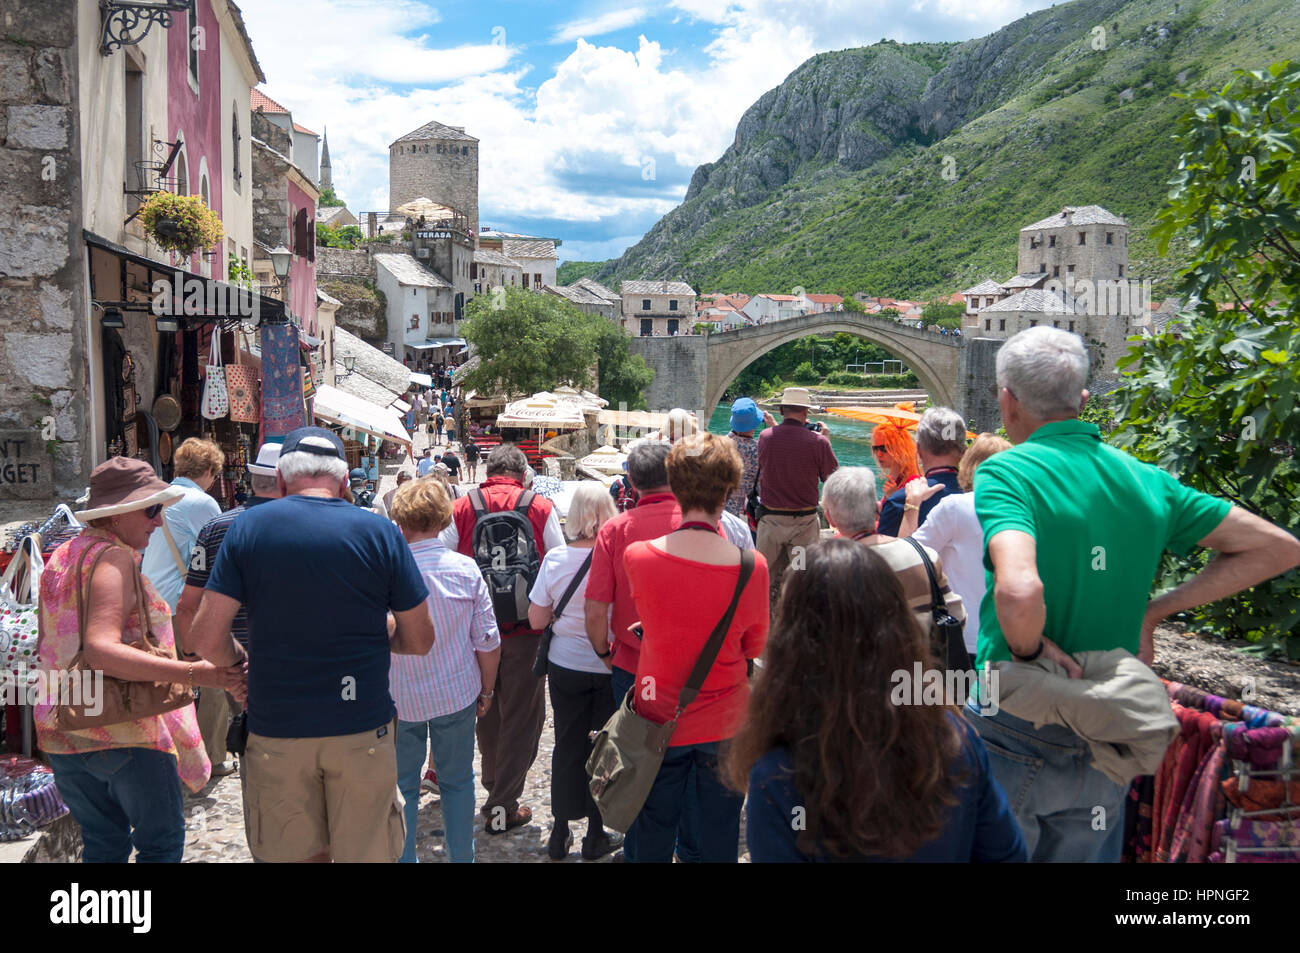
{"points": [[896, 439]]}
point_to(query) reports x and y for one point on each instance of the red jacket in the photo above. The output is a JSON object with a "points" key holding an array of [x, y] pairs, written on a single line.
{"points": [[501, 493]]}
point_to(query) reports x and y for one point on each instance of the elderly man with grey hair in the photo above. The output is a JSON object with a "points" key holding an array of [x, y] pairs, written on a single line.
{"points": [[331, 591], [849, 501], [940, 442], [1074, 530]]}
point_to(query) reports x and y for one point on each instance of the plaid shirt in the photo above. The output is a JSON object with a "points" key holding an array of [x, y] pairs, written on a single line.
{"points": [[447, 680]]}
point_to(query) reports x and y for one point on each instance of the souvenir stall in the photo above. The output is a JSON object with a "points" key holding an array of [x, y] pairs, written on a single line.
{"points": [[1228, 790], [365, 427], [183, 363]]}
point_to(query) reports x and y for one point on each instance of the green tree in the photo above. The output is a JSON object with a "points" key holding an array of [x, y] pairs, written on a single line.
{"points": [[528, 342], [853, 304], [1214, 402], [348, 236], [943, 314], [328, 199]]}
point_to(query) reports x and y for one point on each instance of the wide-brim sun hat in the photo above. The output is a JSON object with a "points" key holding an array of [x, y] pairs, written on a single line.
{"points": [[267, 459], [795, 397], [745, 415], [123, 485]]}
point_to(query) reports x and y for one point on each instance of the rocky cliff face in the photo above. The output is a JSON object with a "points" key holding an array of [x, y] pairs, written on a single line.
{"points": [[842, 112]]}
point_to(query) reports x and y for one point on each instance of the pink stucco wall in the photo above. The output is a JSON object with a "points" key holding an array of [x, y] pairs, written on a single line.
{"points": [[196, 117], [302, 270]]}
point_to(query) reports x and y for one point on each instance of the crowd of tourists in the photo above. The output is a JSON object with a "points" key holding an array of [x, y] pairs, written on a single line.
{"points": [[696, 626]]}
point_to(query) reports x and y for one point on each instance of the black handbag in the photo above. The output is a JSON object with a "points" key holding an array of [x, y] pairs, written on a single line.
{"points": [[951, 646], [237, 734], [752, 506], [544, 646]]}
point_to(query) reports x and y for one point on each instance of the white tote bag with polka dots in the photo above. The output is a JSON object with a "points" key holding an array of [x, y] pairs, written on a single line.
{"points": [[18, 623], [216, 401]]}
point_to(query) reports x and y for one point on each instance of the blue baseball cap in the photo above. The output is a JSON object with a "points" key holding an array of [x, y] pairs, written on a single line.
{"points": [[745, 415], [317, 440]]}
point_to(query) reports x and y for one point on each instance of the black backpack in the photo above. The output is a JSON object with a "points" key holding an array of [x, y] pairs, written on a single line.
{"points": [[505, 549]]}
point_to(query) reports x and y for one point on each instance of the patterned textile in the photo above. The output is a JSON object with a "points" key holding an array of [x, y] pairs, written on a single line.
{"points": [[175, 732], [1260, 747], [1138, 820], [748, 449], [1262, 794], [1260, 833], [1201, 805], [1176, 774], [282, 401]]}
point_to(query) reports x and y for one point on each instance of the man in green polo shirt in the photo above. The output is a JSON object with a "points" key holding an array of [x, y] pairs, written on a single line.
{"points": [[1073, 533]]}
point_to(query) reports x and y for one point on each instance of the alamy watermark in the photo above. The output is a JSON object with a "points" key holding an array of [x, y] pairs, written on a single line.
{"points": [[43, 686], [950, 687]]}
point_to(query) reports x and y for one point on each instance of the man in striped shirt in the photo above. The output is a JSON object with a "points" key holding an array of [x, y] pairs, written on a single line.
{"points": [[439, 696]]}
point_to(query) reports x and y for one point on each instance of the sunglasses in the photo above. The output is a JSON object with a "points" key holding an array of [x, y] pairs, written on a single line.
{"points": [[880, 448], [152, 511]]}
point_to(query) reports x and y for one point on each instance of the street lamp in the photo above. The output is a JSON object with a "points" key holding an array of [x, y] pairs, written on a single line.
{"points": [[349, 364], [280, 263]]}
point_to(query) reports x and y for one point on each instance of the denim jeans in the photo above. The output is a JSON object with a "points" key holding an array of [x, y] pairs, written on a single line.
{"points": [[657, 830], [1068, 810], [124, 798], [452, 739], [688, 851]]}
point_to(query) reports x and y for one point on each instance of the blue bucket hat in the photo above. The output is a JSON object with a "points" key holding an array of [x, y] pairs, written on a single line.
{"points": [[745, 415]]}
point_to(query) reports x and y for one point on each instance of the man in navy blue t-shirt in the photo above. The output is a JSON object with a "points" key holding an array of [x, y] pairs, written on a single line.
{"points": [[318, 577]]}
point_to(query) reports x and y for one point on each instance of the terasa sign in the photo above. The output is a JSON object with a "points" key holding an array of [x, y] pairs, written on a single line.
{"points": [[189, 296]]}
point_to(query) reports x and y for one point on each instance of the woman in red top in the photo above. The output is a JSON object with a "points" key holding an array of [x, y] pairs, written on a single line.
{"points": [[682, 584]]}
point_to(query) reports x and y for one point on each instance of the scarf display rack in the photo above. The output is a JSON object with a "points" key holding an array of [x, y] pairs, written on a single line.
{"points": [[1228, 790]]}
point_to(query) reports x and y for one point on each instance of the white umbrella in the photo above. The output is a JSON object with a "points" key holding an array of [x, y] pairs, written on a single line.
{"points": [[609, 459]]}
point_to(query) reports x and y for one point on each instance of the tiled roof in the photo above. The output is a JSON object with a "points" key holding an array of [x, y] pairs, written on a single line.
{"points": [[327, 213], [1024, 281], [238, 17], [576, 294], [540, 248], [297, 127], [486, 256], [986, 287], [259, 100], [656, 288], [1077, 215], [1036, 301], [436, 130], [826, 299], [596, 288], [374, 369], [410, 272]]}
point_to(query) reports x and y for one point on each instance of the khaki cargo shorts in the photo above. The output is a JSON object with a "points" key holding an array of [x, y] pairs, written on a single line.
{"points": [[306, 796]]}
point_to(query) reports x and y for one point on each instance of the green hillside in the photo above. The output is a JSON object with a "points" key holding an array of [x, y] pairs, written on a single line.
{"points": [[908, 170]]}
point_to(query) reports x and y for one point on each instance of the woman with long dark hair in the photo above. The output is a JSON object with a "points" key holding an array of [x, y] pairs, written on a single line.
{"points": [[836, 768]]}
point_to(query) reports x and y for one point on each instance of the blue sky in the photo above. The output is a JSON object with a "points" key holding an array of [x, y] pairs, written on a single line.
{"points": [[591, 115]]}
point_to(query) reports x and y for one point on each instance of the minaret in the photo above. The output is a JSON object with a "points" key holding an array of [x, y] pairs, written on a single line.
{"points": [[326, 178]]}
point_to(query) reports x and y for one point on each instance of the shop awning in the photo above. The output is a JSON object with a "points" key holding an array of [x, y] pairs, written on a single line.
{"points": [[542, 410], [424, 380], [401, 405], [339, 407], [437, 343], [221, 301]]}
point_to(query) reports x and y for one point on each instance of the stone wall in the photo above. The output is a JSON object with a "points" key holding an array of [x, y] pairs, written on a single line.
{"points": [[44, 382], [270, 196], [977, 400], [345, 263], [681, 367], [449, 178], [363, 310]]}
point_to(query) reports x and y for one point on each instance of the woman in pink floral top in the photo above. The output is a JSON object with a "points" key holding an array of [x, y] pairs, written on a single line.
{"points": [[121, 781]]}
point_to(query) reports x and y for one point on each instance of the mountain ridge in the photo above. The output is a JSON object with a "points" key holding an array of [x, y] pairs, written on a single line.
{"points": [[908, 169]]}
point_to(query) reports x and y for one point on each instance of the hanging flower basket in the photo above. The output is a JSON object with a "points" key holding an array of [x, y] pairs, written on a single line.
{"points": [[180, 223]]}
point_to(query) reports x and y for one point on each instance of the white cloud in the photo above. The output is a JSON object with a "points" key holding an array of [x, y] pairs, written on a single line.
{"points": [[599, 24], [571, 146]]}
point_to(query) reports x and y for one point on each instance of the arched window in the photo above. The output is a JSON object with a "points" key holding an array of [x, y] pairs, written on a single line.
{"points": [[182, 168]]}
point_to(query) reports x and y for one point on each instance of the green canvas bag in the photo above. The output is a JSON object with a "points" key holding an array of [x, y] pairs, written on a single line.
{"points": [[628, 751]]}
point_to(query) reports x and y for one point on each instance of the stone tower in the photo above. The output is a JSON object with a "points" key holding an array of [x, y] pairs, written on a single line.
{"points": [[439, 163], [1078, 244], [326, 176]]}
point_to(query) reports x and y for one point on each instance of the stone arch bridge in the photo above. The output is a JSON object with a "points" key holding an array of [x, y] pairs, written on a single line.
{"points": [[694, 371]]}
